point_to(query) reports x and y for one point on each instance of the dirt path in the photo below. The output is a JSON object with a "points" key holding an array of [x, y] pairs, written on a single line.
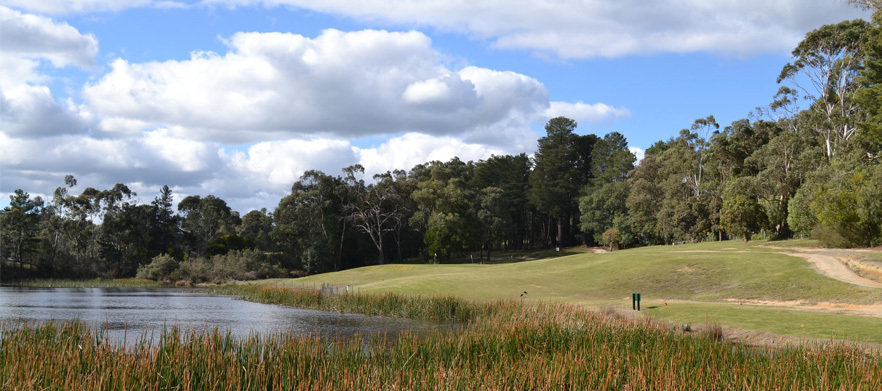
{"points": [[833, 268]]}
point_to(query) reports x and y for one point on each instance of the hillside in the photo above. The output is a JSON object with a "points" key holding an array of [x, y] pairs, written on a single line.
{"points": [[750, 286]]}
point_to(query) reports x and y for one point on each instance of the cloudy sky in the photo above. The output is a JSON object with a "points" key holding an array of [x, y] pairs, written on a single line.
{"points": [[237, 98]]}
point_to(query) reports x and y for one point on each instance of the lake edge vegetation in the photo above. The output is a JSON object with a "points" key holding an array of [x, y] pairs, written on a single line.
{"points": [[554, 346]]}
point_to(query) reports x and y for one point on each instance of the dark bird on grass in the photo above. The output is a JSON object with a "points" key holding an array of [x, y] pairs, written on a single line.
{"points": [[522, 294]]}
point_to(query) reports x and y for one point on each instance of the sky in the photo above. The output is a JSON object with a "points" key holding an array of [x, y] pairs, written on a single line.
{"points": [[237, 98]]}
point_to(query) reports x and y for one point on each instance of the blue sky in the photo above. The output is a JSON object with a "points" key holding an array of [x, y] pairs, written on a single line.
{"points": [[238, 97]]}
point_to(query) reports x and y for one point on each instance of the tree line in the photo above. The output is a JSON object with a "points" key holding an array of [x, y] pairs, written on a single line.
{"points": [[806, 165]]}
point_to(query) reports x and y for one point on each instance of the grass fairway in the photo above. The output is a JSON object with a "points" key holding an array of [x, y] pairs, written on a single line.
{"points": [[795, 323], [707, 274]]}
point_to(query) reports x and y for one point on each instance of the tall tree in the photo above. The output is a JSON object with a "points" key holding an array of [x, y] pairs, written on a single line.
{"points": [[445, 209], [829, 59], [604, 196], [310, 224], [205, 220], [511, 174], [645, 196], [780, 168], [554, 183], [741, 212], [165, 230], [870, 97], [374, 209], [256, 227], [19, 227]]}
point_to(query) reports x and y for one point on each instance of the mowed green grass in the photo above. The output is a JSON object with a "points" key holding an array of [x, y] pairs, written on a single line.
{"points": [[712, 274], [795, 323]]}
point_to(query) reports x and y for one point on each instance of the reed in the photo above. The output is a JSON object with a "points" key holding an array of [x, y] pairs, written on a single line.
{"points": [[439, 309], [506, 345], [93, 283]]}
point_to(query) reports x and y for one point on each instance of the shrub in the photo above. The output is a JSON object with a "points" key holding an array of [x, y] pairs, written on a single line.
{"points": [[160, 268], [612, 238]]}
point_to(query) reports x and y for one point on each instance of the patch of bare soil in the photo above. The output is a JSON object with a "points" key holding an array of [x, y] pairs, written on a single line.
{"points": [[833, 268]]}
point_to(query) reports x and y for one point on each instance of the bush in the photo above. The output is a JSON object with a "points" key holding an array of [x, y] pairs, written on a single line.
{"points": [[234, 265], [160, 268], [612, 238]]}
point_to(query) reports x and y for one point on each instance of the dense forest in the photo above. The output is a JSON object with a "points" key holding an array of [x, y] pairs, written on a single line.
{"points": [[805, 165]]}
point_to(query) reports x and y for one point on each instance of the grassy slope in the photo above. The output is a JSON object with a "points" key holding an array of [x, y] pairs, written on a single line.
{"points": [[696, 279]]}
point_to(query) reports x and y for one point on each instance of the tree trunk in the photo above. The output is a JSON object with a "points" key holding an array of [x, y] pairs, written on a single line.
{"points": [[397, 238], [340, 247], [559, 231]]}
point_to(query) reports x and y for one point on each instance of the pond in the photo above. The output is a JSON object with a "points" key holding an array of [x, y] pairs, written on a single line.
{"points": [[126, 313]]}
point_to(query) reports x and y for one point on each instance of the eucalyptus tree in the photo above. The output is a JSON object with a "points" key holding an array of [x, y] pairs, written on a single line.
{"points": [[311, 224], [825, 67], [780, 168], [445, 208], [645, 196], [841, 203], [741, 213], [511, 174], [374, 209], [686, 209], [400, 186], [256, 227], [205, 220], [125, 239]]}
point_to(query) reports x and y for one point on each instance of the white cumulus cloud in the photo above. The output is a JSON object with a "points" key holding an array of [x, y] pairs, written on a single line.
{"points": [[339, 84], [601, 28], [27, 107], [595, 114], [32, 36]]}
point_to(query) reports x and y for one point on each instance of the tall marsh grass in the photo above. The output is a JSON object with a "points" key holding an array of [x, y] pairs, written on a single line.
{"points": [[507, 345]]}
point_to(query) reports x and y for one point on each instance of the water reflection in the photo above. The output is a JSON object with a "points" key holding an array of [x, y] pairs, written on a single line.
{"points": [[127, 313]]}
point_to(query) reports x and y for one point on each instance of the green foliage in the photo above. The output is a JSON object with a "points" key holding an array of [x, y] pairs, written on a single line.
{"points": [[601, 206], [842, 203], [19, 228], [205, 220], [561, 170], [605, 196], [870, 97], [852, 205], [742, 214], [238, 265], [825, 69], [161, 267]]}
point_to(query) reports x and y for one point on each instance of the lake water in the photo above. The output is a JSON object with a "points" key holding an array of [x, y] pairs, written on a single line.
{"points": [[127, 313]]}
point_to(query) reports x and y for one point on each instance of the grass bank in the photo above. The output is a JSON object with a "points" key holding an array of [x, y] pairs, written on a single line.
{"points": [[712, 275], [508, 345]]}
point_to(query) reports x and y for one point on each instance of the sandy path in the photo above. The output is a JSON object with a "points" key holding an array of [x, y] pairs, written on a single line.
{"points": [[833, 268]]}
